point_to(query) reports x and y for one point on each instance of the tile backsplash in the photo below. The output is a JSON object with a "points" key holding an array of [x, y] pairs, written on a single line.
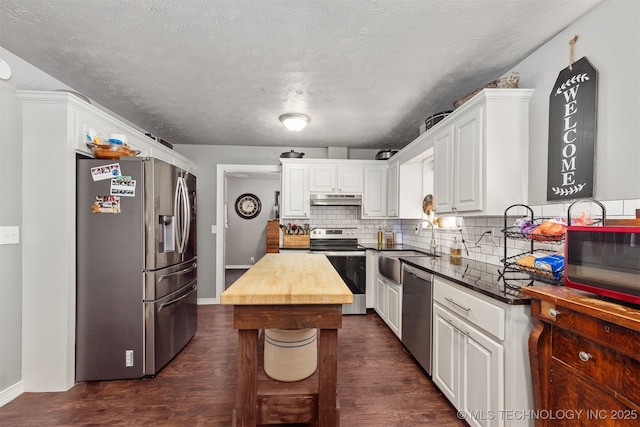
{"points": [[482, 236]]}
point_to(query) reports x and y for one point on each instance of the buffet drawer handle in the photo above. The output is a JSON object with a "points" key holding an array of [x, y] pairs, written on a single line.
{"points": [[457, 305], [553, 312], [584, 356]]}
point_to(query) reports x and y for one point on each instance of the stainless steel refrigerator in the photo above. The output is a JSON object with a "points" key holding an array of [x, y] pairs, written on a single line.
{"points": [[136, 266]]}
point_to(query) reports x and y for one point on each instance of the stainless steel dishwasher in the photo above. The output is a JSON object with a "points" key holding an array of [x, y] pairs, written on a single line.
{"points": [[417, 305]]}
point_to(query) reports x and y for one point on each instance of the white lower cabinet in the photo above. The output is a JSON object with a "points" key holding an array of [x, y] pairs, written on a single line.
{"points": [[467, 368], [394, 314], [381, 298], [480, 356], [389, 304]]}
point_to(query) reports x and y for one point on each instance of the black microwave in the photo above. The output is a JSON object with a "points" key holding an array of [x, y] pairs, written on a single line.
{"points": [[604, 260]]}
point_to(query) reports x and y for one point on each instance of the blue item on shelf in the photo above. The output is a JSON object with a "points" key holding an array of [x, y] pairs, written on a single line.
{"points": [[551, 263]]}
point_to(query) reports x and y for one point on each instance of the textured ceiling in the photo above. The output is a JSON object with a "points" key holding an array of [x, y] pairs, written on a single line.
{"points": [[221, 72]]}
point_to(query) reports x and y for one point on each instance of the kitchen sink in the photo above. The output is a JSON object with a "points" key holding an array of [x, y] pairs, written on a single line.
{"points": [[390, 266]]}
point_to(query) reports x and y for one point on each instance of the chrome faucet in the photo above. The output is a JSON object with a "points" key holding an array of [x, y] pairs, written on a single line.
{"points": [[433, 246]]}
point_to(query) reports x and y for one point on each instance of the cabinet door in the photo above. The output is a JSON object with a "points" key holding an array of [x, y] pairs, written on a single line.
{"points": [[374, 198], [443, 172], [295, 193], [568, 389], [372, 268], [446, 354], [410, 190], [481, 375], [322, 179], [350, 179], [392, 190], [468, 169], [381, 298], [394, 312]]}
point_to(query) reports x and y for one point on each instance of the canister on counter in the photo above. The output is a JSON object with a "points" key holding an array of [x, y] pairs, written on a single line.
{"points": [[398, 238], [388, 238]]}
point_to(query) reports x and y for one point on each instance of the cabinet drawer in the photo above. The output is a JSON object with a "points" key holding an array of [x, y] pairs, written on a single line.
{"points": [[568, 319], [622, 339], [484, 314], [604, 365]]}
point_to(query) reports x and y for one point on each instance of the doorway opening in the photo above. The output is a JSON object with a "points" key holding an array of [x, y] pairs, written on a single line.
{"points": [[241, 230]]}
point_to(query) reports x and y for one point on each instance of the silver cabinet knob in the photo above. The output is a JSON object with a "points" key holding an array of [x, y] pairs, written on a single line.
{"points": [[584, 356], [553, 312]]}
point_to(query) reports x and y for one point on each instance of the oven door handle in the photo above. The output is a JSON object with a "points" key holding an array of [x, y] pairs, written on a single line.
{"points": [[340, 253]]}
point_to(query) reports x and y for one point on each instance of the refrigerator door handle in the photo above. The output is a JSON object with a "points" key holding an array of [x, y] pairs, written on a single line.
{"points": [[173, 301], [178, 210], [187, 214], [181, 209], [178, 273], [176, 213]]}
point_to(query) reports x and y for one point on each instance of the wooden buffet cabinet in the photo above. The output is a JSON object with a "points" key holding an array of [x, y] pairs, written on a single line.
{"points": [[585, 359]]}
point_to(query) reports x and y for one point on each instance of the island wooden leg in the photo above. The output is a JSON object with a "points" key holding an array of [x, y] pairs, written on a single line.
{"points": [[328, 378], [247, 383]]}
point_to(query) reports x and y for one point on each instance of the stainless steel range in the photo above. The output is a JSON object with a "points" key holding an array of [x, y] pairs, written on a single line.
{"points": [[340, 245]]}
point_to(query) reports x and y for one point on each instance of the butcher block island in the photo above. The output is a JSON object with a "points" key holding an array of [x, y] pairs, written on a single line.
{"points": [[287, 291]]}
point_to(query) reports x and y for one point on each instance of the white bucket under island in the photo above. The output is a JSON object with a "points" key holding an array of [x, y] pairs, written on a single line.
{"points": [[290, 354]]}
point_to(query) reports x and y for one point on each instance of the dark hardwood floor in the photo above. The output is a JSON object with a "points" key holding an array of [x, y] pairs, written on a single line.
{"points": [[379, 384]]}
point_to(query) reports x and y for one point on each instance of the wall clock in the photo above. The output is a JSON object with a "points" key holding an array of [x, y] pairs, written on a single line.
{"points": [[248, 206]]}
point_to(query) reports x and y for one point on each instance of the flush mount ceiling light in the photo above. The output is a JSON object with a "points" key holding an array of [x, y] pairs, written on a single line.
{"points": [[294, 121]]}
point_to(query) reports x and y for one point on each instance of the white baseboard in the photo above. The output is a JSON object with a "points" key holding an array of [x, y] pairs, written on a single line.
{"points": [[10, 393], [231, 267], [207, 301]]}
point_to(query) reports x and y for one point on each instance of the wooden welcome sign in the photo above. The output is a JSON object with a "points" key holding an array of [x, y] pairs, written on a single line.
{"points": [[572, 132]]}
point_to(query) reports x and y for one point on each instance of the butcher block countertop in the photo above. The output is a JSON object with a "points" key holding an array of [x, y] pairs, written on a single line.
{"points": [[289, 278]]}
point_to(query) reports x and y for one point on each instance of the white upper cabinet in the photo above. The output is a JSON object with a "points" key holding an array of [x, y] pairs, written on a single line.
{"points": [[410, 193], [404, 190], [374, 199], [458, 164], [322, 178], [295, 190], [481, 154], [348, 179], [392, 190]]}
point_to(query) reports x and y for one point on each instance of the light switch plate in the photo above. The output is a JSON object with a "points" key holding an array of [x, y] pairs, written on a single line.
{"points": [[9, 235]]}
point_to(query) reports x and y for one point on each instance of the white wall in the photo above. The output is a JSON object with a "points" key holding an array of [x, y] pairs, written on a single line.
{"points": [[247, 238], [609, 36], [10, 255]]}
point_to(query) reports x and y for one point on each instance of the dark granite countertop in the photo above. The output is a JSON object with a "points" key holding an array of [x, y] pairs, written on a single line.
{"points": [[477, 276]]}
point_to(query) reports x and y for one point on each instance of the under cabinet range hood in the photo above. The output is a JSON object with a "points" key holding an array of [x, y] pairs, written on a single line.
{"points": [[336, 200]]}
